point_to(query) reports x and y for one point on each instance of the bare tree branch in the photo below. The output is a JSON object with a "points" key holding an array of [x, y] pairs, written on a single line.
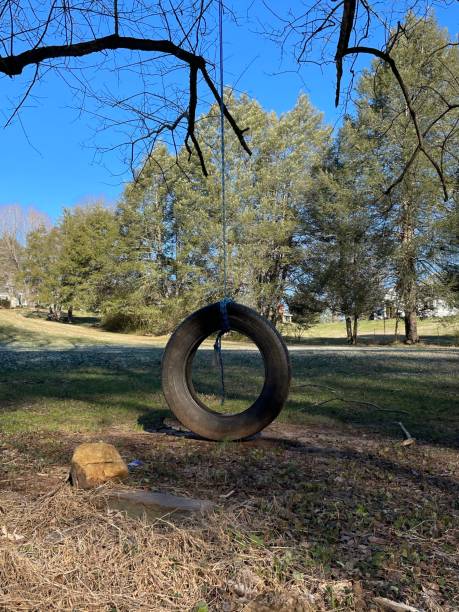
{"points": [[39, 53], [347, 24], [13, 65], [24, 97], [359, 21]]}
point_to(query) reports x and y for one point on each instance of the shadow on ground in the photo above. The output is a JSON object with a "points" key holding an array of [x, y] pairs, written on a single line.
{"points": [[102, 386], [83, 320], [375, 340]]}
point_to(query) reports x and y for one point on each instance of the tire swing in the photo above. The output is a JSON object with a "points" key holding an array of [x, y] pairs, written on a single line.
{"points": [[220, 318], [178, 388]]}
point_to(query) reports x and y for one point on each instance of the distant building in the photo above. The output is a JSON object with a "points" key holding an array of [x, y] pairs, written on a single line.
{"points": [[434, 307], [15, 298], [438, 308], [284, 314]]}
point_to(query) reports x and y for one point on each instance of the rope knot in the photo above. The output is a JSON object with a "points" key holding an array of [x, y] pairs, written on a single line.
{"points": [[225, 324], [224, 328]]}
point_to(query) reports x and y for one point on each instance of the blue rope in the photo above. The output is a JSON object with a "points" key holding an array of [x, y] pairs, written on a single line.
{"points": [[222, 153], [224, 314], [224, 328], [219, 359], [225, 324]]}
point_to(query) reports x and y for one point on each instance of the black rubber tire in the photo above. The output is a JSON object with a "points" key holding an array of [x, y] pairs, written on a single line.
{"points": [[181, 396]]}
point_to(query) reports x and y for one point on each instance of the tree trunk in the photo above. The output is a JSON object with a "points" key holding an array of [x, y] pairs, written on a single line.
{"points": [[411, 327], [409, 298], [349, 329], [408, 275], [355, 330], [273, 315]]}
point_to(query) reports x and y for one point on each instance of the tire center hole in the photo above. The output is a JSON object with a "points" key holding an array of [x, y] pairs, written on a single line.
{"points": [[243, 369]]}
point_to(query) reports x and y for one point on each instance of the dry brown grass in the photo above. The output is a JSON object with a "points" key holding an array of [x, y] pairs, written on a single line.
{"points": [[39, 332], [318, 520], [64, 553]]}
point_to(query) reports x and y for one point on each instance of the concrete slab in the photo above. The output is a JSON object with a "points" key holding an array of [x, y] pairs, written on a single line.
{"points": [[154, 504]]}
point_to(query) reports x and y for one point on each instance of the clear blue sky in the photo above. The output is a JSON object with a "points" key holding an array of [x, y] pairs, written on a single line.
{"points": [[48, 156]]}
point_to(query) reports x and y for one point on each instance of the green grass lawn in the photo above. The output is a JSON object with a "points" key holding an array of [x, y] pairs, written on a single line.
{"points": [[90, 388], [442, 331], [417, 387], [61, 379]]}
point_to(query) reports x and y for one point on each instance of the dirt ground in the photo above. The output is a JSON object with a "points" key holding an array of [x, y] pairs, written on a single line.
{"points": [[305, 519]]}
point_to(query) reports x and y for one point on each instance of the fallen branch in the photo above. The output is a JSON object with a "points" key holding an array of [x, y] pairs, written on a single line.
{"points": [[360, 402], [388, 604], [408, 437]]}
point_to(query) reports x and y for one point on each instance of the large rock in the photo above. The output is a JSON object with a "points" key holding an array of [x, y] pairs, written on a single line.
{"points": [[95, 463]]}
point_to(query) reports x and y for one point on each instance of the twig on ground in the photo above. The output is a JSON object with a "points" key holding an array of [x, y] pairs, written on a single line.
{"points": [[345, 400], [60, 486], [360, 402], [388, 604], [408, 437], [314, 385]]}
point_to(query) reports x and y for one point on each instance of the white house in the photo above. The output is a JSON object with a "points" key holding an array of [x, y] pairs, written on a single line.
{"points": [[439, 308], [15, 298], [435, 307]]}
